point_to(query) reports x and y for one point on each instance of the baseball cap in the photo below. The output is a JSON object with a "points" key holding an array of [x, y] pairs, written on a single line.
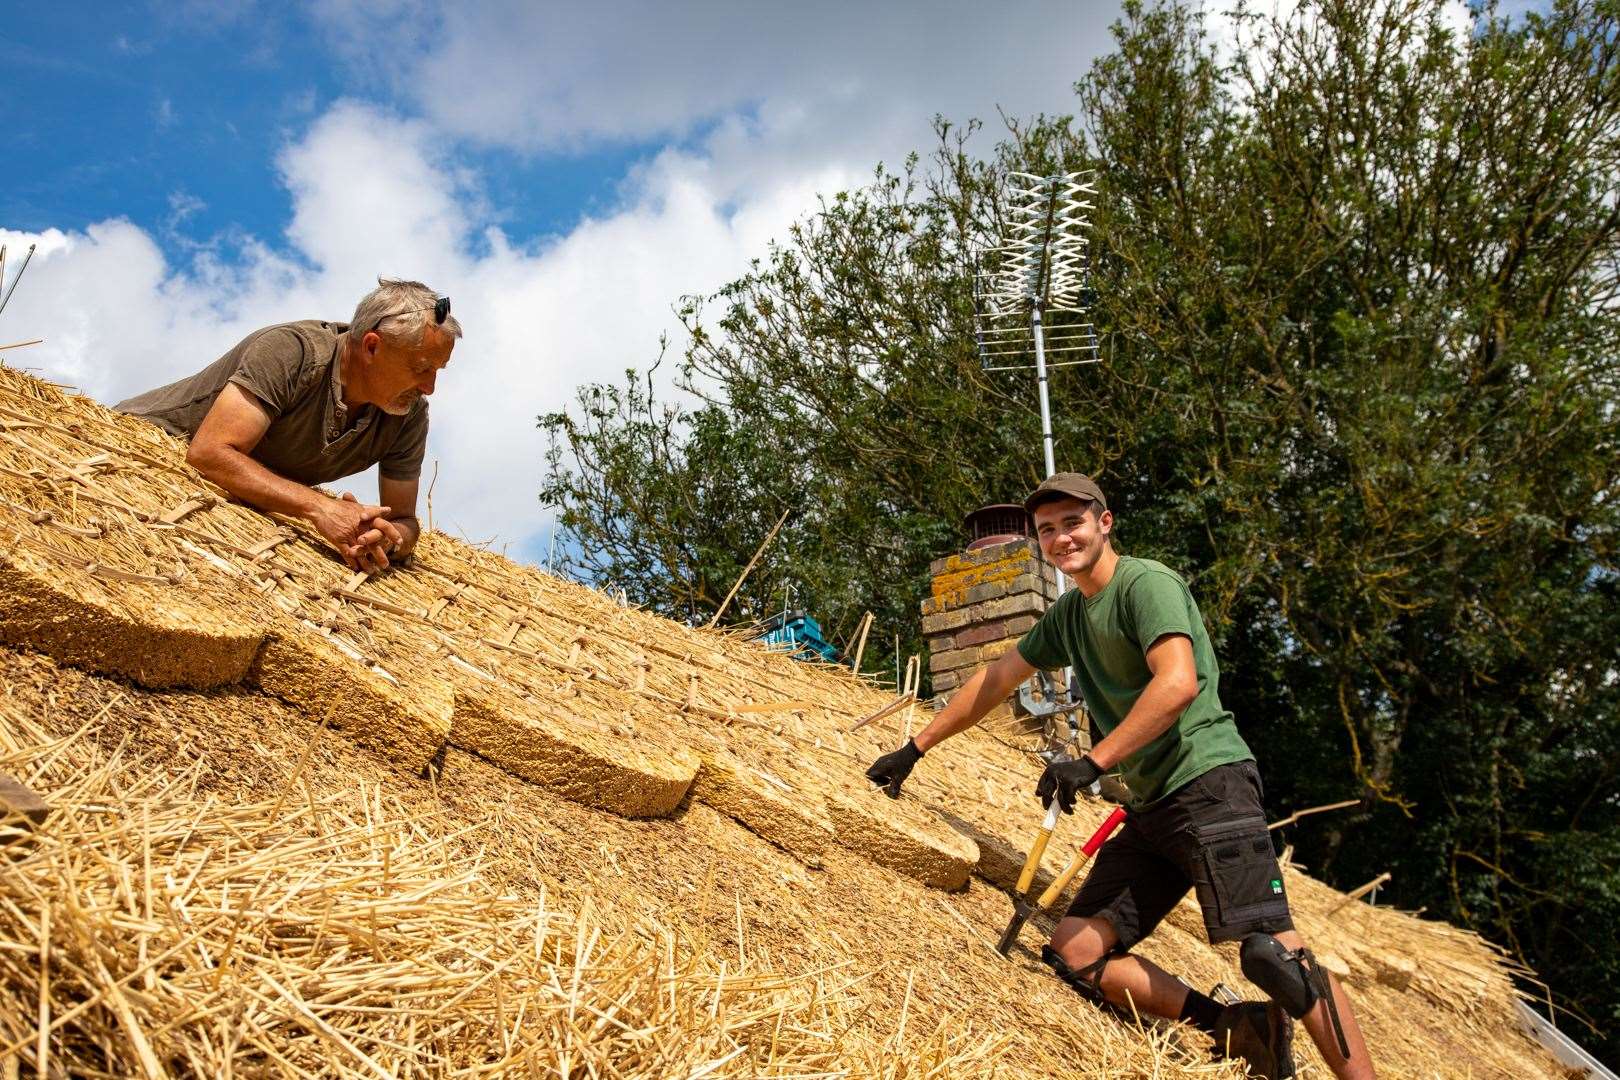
{"points": [[1066, 485]]}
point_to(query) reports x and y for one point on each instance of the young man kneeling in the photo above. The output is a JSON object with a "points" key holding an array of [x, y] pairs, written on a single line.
{"points": [[1131, 631]]}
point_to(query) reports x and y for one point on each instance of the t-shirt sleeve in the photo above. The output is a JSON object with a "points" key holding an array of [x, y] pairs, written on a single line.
{"points": [[1042, 644], [404, 459], [272, 369], [1157, 605]]}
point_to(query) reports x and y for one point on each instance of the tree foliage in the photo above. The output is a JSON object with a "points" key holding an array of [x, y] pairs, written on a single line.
{"points": [[1358, 271]]}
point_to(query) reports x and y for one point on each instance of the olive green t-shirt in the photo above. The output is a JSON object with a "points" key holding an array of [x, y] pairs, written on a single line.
{"points": [[292, 370], [1105, 639]]}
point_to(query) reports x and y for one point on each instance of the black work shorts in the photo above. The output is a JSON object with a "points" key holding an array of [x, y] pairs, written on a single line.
{"points": [[1209, 835]]}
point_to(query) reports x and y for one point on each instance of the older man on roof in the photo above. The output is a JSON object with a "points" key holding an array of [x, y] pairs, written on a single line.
{"points": [[305, 403]]}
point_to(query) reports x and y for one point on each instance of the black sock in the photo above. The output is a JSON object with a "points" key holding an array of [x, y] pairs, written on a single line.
{"points": [[1201, 1011]]}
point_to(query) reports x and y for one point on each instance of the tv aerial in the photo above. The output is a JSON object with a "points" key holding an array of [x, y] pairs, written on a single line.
{"points": [[1030, 311], [1029, 303]]}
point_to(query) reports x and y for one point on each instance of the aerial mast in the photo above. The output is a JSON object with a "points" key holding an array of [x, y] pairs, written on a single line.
{"points": [[1029, 295]]}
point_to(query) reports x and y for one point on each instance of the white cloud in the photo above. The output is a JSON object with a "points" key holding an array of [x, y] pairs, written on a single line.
{"points": [[789, 105], [115, 317], [559, 75], [182, 205]]}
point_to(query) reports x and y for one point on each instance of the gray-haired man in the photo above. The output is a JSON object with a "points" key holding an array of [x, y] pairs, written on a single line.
{"points": [[304, 403]]}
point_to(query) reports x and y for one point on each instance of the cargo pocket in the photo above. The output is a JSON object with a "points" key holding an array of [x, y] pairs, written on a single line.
{"points": [[1245, 886]]}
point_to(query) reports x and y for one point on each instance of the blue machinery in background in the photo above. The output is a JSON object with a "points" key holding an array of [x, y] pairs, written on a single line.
{"points": [[796, 633]]}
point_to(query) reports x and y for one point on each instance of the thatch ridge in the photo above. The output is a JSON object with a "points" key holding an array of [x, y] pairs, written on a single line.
{"points": [[86, 491]]}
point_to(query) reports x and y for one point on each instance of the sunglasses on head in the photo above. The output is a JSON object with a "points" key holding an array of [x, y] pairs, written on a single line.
{"points": [[441, 312]]}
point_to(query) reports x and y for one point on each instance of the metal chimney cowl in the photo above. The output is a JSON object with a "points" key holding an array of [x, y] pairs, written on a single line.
{"points": [[998, 523]]}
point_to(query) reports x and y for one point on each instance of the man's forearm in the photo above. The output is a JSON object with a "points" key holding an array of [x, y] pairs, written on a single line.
{"points": [[252, 483], [984, 690], [1156, 710]]}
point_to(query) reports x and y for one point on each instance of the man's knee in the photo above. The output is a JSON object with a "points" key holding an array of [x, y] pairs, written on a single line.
{"points": [[1079, 953], [1287, 972], [1291, 976], [1081, 942]]}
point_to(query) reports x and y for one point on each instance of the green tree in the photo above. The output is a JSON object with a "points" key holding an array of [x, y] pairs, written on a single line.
{"points": [[1358, 272]]}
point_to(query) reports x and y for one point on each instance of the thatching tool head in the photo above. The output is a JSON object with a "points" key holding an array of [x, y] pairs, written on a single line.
{"points": [[1021, 906], [1022, 909]]}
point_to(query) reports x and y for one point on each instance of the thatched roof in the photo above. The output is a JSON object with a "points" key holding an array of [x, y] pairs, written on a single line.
{"points": [[467, 816]]}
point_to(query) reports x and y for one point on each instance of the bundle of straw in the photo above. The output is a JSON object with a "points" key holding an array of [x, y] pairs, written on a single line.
{"points": [[106, 526], [149, 930], [197, 911], [870, 974]]}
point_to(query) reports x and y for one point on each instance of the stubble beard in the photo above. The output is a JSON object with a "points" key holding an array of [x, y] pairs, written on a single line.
{"points": [[403, 403], [1081, 560]]}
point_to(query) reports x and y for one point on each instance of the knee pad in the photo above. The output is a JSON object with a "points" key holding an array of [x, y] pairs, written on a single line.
{"points": [[1282, 973], [1087, 981], [1292, 979]]}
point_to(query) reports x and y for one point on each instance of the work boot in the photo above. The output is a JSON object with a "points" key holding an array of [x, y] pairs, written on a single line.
{"points": [[1261, 1035]]}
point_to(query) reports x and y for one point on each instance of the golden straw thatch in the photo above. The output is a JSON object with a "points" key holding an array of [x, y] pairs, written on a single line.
{"points": [[464, 817]]}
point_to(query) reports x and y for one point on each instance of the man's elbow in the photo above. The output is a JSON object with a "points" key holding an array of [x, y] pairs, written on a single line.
{"points": [[1185, 690], [207, 459]]}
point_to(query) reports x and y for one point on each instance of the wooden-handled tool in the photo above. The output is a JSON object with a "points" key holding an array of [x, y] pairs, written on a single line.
{"points": [[1023, 909], [1036, 849], [1027, 875]]}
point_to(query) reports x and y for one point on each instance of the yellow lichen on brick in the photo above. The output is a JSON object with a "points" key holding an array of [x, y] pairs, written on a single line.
{"points": [[995, 649], [954, 582]]}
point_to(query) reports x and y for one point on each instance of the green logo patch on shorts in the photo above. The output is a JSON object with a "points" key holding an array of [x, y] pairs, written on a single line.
{"points": [[1276, 887]]}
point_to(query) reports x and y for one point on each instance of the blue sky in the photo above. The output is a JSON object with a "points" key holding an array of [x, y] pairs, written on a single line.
{"points": [[170, 119], [134, 111], [192, 171]]}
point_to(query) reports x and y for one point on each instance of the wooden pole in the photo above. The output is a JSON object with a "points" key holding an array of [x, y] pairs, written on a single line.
{"points": [[435, 480], [860, 645], [1363, 890], [894, 706], [721, 610], [913, 680], [1297, 814]]}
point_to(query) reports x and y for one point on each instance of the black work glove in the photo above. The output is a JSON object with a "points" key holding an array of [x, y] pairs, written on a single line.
{"points": [[1064, 779], [890, 771]]}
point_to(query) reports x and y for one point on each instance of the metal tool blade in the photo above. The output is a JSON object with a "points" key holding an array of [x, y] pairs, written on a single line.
{"points": [[1021, 913]]}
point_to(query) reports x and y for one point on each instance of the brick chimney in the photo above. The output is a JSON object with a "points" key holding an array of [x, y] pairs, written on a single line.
{"points": [[983, 600]]}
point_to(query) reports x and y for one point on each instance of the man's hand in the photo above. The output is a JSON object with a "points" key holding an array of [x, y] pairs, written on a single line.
{"points": [[890, 771], [361, 532], [381, 538], [401, 495], [1064, 779], [365, 535]]}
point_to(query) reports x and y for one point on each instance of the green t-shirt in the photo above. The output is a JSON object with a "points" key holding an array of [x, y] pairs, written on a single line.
{"points": [[1106, 638]]}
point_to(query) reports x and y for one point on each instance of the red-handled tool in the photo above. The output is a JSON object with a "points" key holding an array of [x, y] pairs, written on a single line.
{"points": [[1023, 909]]}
